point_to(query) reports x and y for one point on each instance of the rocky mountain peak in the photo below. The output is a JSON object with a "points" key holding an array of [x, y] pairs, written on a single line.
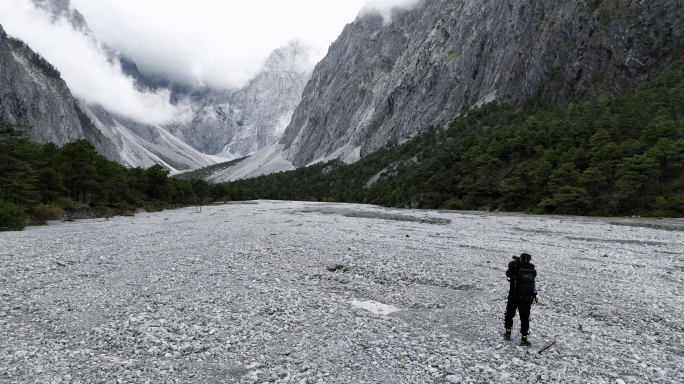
{"points": [[62, 9], [238, 122], [293, 57]]}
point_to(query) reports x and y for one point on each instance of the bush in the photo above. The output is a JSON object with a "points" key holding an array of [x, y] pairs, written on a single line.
{"points": [[68, 203], [11, 217], [46, 212], [64, 202]]}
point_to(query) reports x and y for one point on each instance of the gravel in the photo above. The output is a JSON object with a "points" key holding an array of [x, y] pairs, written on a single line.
{"points": [[243, 293]]}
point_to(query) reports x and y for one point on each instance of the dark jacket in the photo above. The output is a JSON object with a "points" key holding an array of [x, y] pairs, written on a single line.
{"points": [[512, 271]]}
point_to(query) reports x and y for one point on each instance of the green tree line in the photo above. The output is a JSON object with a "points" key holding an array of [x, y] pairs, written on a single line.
{"points": [[609, 156], [37, 182]]}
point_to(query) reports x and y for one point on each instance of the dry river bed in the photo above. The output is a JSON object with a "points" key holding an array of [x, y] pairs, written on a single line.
{"points": [[242, 293]]}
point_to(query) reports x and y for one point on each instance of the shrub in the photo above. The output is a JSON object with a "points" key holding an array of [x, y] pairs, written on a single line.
{"points": [[64, 202], [67, 203], [11, 217], [45, 212]]}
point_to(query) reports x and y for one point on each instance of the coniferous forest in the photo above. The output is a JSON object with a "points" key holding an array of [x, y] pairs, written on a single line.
{"points": [[607, 157], [41, 182]]}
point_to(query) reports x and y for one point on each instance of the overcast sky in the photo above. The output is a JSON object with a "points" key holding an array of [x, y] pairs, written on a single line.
{"points": [[220, 44]]}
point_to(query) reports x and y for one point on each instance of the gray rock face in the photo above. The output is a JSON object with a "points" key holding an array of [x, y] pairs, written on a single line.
{"points": [[382, 82], [233, 123], [33, 96], [239, 122], [140, 145]]}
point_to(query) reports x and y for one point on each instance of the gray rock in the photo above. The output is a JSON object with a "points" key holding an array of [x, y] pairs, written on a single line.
{"points": [[234, 122]]}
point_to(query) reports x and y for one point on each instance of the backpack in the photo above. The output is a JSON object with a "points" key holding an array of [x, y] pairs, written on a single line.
{"points": [[524, 284]]}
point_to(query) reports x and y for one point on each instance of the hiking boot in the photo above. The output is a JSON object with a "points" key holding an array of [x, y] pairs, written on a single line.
{"points": [[507, 335], [524, 342]]}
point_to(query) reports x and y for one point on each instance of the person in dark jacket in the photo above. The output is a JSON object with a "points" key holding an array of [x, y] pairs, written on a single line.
{"points": [[520, 296]]}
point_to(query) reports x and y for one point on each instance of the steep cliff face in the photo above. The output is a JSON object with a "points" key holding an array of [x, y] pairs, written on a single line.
{"points": [[236, 123], [382, 82], [33, 94]]}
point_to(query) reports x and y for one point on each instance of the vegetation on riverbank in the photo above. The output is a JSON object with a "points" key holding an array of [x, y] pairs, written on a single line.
{"points": [[42, 182]]}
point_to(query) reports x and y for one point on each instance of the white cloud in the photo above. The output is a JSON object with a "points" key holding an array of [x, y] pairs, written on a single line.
{"points": [[221, 44], [385, 7], [84, 65]]}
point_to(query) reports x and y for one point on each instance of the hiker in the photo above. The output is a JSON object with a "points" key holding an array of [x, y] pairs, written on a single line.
{"points": [[521, 274]]}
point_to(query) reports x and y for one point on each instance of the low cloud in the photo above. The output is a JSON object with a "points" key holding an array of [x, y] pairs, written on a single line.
{"points": [[385, 7], [85, 67], [219, 44]]}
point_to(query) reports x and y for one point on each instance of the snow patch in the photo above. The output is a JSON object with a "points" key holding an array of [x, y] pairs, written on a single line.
{"points": [[375, 307]]}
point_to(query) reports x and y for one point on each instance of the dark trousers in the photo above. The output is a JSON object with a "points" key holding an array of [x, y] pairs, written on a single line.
{"points": [[524, 310]]}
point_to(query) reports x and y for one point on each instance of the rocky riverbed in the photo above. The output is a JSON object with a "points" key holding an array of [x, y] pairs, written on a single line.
{"points": [[290, 292]]}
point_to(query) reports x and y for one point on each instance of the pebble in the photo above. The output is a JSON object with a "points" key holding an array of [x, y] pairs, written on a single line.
{"points": [[198, 296]]}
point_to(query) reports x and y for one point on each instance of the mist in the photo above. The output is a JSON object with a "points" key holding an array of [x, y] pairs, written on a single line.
{"points": [[84, 66], [218, 44], [385, 7]]}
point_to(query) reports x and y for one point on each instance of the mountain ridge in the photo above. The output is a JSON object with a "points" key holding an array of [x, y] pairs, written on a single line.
{"points": [[33, 95], [383, 82]]}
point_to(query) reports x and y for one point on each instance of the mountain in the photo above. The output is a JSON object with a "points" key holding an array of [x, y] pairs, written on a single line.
{"points": [[33, 94], [143, 145], [227, 122], [238, 122], [383, 81]]}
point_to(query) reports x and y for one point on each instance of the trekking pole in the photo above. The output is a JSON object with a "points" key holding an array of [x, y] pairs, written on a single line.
{"points": [[549, 346]]}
